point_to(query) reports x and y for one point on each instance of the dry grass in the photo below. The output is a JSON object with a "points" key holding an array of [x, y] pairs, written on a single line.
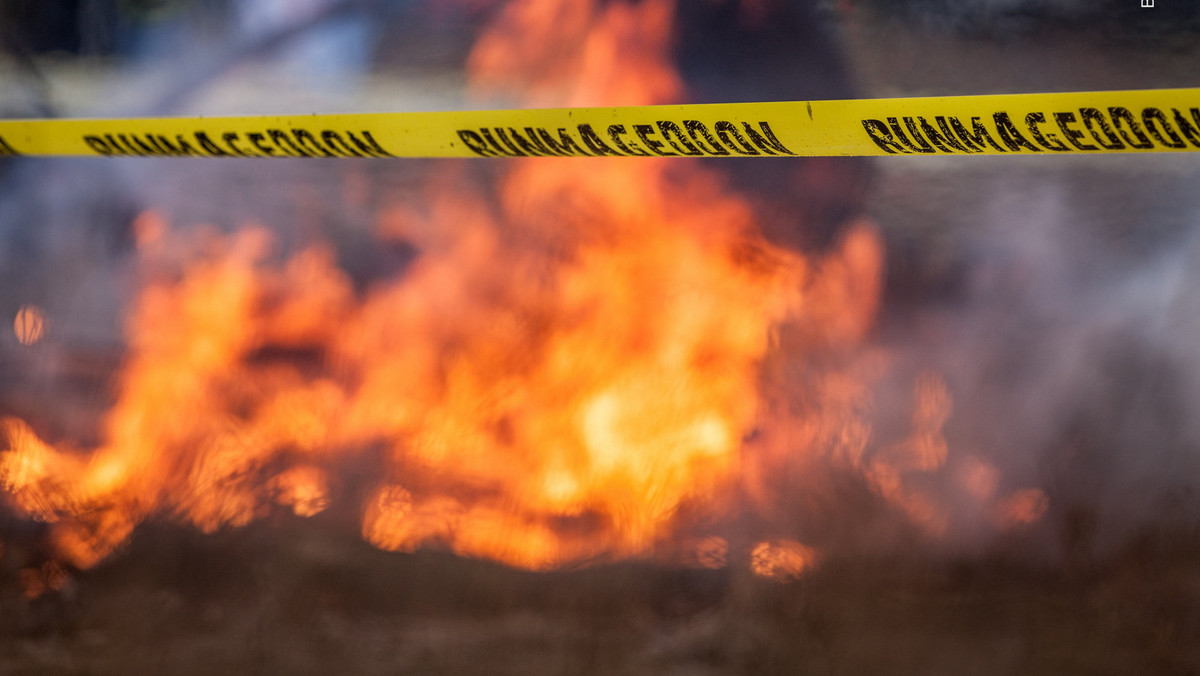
{"points": [[296, 599]]}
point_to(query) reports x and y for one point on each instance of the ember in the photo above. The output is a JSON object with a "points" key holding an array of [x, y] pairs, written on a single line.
{"points": [[29, 325]]}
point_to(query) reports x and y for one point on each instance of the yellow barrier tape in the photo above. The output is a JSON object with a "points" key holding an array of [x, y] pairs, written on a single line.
{"points": [[1126, 121]]}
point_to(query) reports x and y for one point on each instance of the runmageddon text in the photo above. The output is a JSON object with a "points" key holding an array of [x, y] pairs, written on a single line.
{"points": [[265, 143], [1083, 129], [663, 138]]}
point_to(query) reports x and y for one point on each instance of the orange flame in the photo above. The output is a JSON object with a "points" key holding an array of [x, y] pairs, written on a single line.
{"points": [[781, 560], [569, 374]]}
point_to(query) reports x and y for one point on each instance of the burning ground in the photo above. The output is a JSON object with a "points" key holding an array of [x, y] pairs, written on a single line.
{"points": [[595, 416]]}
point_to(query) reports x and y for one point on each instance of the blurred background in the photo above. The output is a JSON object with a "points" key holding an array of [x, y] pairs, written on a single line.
{"points": [[1019, 361]]}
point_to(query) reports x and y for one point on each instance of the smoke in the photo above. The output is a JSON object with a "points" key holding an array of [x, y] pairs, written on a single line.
{"points": [[1011, 18], [1065, 333]]}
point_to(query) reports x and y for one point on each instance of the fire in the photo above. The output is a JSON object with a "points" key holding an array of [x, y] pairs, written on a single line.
{"points": [[575, 371], [601, 393], [558, 53]]}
